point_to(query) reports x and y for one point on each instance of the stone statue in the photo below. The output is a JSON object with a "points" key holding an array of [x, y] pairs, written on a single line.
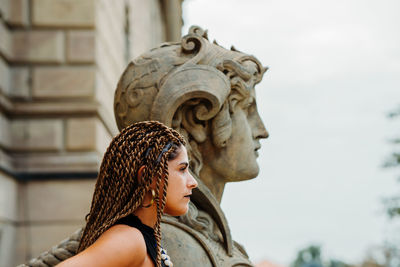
{"points": [[206, 92]]}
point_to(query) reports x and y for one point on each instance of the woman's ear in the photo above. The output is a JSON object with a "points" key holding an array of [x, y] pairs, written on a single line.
{"points": [[140, 174]]}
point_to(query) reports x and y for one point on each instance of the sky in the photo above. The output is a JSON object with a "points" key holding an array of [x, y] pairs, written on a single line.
{"points": [[334, 74]]}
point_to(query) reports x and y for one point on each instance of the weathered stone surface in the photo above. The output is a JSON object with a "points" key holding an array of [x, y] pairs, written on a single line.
{"points": [[174, 22], [103, 138], [4, 77], [5, 41], [110, 27], [4, 7], [22, 243], [8, 198], [82, 162], [63, 82], [52, 75], [65, 108], [188, 242], [36, 134], [146, 26], [105, 94], [110, 67], [110, 37], [70, 200], [8, 217], [38, 46], [81, 134], [18, 13], [44, 235], [81, 46], [4, 132], [7, 244], [20, 82], [63, 13], [86, 134], [5, 160]]}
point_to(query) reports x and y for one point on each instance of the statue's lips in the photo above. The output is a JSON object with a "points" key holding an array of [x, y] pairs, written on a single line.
{"points": [[256, 153], [257, 147]]}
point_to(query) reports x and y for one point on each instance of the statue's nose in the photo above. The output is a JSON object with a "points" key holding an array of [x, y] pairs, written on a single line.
{"points": [[262, 132], [259, 130]]}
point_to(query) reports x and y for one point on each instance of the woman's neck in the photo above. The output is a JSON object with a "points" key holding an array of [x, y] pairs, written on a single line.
{"points": [[147, 216]]}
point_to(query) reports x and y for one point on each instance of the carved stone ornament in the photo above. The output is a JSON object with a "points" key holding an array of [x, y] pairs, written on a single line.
{"points": [[205, 92]]}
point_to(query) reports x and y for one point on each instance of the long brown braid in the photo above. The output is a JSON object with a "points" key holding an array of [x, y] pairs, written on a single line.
{"points": [[118, 192]]}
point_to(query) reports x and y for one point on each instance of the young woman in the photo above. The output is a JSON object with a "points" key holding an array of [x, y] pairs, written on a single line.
{"points": [[144, 173]]}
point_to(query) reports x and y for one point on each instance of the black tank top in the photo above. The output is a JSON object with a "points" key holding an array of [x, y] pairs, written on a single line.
{"points": [[147, 232]]}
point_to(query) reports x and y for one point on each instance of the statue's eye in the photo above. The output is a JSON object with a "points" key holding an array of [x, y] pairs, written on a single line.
{"points": [[247, 107], [249, 103], [250, 108]]}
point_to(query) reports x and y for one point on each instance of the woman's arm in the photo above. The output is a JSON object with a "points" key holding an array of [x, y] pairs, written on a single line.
{"points": [[121, 245]]}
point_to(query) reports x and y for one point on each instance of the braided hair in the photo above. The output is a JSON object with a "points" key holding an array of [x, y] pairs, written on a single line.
{"points": [[118, 192]]}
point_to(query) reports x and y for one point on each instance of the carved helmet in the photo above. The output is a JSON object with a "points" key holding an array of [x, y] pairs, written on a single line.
{"points": [[184, 85]]}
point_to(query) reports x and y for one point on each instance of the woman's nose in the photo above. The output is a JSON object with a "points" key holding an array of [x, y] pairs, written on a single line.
{"points": [[192, 183]]}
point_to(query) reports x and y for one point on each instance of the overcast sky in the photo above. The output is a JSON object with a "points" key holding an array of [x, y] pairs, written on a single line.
{"points": [[334, 75]]}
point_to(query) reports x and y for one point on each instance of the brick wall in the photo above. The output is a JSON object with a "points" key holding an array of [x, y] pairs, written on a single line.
{"points": [[60, 61]]}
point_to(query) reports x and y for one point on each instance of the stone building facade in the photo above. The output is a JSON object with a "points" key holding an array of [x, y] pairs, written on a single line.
{"points": [[60, 61]]}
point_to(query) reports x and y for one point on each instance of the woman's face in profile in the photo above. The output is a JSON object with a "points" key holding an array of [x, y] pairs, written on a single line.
{"points": [[180, 184]]}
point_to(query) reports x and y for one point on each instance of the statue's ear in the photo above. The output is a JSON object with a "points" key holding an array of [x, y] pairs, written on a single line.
{"points": [[197, 129], [198, 89]]}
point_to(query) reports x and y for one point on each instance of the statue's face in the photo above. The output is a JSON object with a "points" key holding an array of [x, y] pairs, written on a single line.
{"points": [[237, 160]]}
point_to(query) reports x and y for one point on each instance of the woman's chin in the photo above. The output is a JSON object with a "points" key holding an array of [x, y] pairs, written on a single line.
{"points": [[177, 212]]}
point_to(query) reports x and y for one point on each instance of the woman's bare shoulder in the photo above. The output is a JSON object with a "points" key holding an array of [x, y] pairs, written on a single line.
{"points": [[121, 245], [122, 238]]}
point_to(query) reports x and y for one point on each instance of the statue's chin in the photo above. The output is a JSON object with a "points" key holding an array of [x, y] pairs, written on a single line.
{"points": [[250, 172]]}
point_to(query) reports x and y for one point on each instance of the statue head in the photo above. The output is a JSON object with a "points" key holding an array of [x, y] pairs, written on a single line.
{"points": [[206, 93]]}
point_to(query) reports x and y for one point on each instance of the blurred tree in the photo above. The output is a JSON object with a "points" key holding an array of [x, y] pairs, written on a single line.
{"points": [[393, 203], [391, 255], [337, 263], [386, 255], [309, 257], [371, 263], [391, 248]]}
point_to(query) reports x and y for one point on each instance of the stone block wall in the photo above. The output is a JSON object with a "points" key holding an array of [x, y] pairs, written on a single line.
{"points": [[8, 217], [60, 61]]}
